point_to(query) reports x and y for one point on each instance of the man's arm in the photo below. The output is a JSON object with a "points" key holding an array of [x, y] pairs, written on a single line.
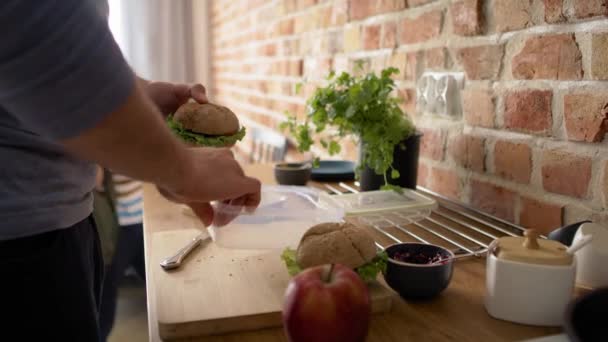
{"points": [[134, 141], [63, 77]]}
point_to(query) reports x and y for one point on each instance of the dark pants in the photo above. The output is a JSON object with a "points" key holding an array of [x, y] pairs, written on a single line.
{"points": [[50, 285], [129, 252]]}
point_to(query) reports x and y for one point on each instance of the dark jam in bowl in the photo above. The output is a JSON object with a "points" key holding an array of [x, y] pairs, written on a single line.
{"points": [[410, 273], [419, 258]]}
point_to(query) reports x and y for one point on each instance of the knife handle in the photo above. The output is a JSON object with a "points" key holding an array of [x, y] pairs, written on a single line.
{"points": [[175, 261]]}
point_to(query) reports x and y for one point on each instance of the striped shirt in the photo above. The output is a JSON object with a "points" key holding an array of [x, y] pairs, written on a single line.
{"points": [[128, 201]]}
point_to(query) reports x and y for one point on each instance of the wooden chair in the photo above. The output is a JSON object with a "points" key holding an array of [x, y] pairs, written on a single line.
{"points": [[267, 146]]}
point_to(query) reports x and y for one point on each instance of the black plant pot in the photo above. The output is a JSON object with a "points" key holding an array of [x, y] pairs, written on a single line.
{"points": [[404, 160]]}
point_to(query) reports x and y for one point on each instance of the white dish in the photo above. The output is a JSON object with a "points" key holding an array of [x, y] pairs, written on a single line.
{"points": [[528, 293]]}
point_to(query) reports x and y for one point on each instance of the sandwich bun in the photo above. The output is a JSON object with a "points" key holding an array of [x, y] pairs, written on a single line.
{"points": [[335, 243], [209, 119]]}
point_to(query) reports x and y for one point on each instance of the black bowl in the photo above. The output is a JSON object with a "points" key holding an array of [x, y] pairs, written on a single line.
{"points": [[418, 281], [586, 317], [565, 234], [292, 173]]}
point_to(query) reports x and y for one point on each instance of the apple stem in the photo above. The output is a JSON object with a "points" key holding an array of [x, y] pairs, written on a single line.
{"points": [[331, 269]]}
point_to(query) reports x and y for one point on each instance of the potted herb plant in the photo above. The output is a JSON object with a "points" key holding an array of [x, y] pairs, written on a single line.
{"points": [[367, 108]]}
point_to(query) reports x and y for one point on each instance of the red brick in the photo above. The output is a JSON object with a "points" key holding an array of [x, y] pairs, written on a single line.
{"points": [[339, 13], [420, 29], [411, 66], [481, 62], [466, 17], [435, 58], [371, 37], [286, 27], [360, 9], [383, 6], [389, 35], [554, 11], [408, 104], [478, 107], [332, 42], [529, 111], [604, 184], [540, 215], [599, 51], [586, 116], [445, 182], [406, 63], [352, 38], [468, 151], [414, 3], [513, 161], [432, 145], [590, 8], [269, 49], [296, 67], [512, 14], [493, 199], [555, 57], [302, 4], [565, 173], [423, 174], [325, 16]]}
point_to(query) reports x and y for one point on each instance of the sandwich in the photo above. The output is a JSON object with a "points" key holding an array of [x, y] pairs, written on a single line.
{"points": [[206, 125], [337, 243]]}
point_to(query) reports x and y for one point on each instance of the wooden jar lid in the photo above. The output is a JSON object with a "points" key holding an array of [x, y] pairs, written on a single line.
{"points": [[532, 250]]}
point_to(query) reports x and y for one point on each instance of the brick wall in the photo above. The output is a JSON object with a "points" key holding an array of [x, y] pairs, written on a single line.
{"points": [[529, 146]]}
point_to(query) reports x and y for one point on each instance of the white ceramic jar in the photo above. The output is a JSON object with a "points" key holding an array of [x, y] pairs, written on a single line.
{"points": [[529, 285]]}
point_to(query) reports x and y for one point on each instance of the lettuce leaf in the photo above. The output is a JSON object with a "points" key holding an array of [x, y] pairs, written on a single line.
{"points": [[367, 272], [203, 139], [289, 257]]}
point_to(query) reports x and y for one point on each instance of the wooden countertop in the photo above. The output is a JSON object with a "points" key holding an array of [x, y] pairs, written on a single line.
{"points": [[458, 314]]}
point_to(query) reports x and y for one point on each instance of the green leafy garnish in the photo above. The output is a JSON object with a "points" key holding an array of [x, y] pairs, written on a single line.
{"points": [[367, 272], [289, 257], [203, 139], [361, 105]]}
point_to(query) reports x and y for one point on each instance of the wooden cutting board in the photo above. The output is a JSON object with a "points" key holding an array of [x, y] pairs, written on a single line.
{"points": [[220, 290]]}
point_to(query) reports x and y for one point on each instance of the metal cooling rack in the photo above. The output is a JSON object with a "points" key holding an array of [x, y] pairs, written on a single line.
{"points": [[452, 225]]}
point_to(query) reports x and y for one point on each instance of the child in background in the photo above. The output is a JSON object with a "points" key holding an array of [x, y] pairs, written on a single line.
{"points": [[127, 196]]}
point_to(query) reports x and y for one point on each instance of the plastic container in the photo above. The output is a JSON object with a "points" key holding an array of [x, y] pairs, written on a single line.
{"points": [[282, 217], [383, 208], [380, 202]]}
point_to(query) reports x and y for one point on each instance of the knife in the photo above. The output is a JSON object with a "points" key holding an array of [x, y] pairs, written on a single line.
{"points": [[175, 261]]}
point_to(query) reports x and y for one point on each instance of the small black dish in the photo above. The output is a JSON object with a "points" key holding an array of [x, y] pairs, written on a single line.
{"points": [[292, 173], [565, 234], [334, 171], [586, 317], [418, 281]]}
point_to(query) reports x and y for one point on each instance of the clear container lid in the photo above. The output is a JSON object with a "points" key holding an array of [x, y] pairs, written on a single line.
{"points": [[380, 202], [284, 214]]}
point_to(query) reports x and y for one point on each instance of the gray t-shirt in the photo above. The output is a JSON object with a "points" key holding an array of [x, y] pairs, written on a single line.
{"points": [[61, 73]]}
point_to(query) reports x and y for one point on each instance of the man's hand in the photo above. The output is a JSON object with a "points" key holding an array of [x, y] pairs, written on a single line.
{"points": [[223, 180], [134, 141], [169, 96]]}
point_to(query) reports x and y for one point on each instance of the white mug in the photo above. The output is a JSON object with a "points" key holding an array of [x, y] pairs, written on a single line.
{"points": [[593, 258]]}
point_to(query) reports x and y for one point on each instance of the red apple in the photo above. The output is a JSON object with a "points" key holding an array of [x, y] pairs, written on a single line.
{"points": [[327, 303]]}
